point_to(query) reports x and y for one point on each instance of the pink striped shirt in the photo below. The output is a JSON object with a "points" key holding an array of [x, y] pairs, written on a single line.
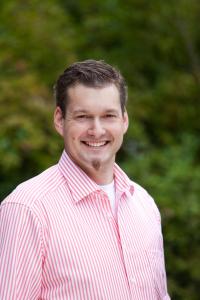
{"points": [[59, 240]]}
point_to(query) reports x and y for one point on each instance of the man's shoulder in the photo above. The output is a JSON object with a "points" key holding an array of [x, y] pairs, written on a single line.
{"points": [[146, 200], [138, 187], [36, 187]]}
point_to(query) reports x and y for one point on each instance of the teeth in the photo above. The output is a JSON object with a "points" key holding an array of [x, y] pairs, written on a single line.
{"points": [[95, 144]]}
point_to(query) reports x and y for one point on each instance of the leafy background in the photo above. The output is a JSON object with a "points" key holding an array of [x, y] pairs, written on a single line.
{"points": [[156, 45]]}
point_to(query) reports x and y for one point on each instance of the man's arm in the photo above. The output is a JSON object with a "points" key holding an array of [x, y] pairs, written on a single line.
{"points": [[21, 253]]}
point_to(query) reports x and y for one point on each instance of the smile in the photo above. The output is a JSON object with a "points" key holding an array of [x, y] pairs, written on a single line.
{"points": [[96, 144]]}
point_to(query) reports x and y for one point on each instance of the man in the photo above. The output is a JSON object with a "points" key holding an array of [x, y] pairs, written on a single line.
{"points": [[82, 229]]}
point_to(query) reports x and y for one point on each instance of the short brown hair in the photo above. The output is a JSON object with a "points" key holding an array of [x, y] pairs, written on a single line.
{"points": [[91, 73]]}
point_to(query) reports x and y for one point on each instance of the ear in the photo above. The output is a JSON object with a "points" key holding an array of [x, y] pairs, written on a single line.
{"points": [[126, 121], [58, 120]]}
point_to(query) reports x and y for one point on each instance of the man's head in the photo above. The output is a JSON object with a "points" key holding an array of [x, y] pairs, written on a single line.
{"points": [[91, 116], [90, 73]]}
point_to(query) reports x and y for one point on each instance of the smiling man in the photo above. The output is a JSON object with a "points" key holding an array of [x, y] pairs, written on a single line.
{"points": [[82, 229], [93, 127]]}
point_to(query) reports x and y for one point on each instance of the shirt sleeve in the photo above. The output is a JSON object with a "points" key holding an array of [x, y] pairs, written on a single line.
{"points": [[21, 253]]}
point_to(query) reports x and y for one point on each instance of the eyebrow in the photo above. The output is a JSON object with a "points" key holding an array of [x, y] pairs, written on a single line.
{"points": [[81, 111], [78, 111], [112, 111]]}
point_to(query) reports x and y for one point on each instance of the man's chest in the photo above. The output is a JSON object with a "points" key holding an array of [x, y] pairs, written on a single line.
{"points": [[89, 252]]}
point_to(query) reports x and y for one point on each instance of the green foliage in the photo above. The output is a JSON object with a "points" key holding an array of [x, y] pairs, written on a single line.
{"points": [[36, 37], [27, 139], [36, 40], [156, 45]]}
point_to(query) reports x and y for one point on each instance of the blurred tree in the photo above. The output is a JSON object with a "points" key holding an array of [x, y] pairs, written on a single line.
{"points": [[36, 36], [36, 40]]}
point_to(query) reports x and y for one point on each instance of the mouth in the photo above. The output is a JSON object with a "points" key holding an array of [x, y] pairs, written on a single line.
{"points": [[95, 144]]}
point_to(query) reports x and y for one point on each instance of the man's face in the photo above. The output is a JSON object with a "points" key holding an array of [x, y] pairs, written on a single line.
{"points": [[93, 126]]}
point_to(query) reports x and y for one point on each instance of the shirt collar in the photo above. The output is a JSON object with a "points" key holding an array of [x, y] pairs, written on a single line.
{"points": [[122, 182], [81, 185]]}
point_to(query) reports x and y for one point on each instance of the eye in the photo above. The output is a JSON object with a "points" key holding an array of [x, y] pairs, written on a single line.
{"points": [[110, 116], [82, 117]]}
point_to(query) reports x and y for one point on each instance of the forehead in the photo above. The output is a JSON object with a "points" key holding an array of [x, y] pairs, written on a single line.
{"points": [[84, 97]]}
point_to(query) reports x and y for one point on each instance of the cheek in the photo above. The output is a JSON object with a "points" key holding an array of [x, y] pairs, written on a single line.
{"points": [[118, 130], [72, 132], [72, 138]]}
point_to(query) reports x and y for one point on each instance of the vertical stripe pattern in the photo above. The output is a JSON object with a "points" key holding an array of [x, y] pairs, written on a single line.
{"points": [[59, 240]]}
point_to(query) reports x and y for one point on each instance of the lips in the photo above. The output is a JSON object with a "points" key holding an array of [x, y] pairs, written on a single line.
{"points": [[95, 144]]}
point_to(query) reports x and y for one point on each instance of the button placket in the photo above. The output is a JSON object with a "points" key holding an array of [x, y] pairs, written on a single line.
{"points": [[106, 205], [126, 254]]}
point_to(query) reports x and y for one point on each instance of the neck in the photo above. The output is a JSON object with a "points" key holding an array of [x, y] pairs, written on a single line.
{"points": [[99, 174], [102, 179]]}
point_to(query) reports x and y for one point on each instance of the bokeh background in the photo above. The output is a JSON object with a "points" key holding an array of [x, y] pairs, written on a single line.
{"points": [[156, 45]]}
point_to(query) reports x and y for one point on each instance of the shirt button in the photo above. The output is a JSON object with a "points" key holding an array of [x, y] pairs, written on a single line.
{"points": [[109, 215], [124, 247], [132, 279]]}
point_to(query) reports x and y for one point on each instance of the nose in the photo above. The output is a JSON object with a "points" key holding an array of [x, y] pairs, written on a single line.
{"points": [[96, 128]]}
